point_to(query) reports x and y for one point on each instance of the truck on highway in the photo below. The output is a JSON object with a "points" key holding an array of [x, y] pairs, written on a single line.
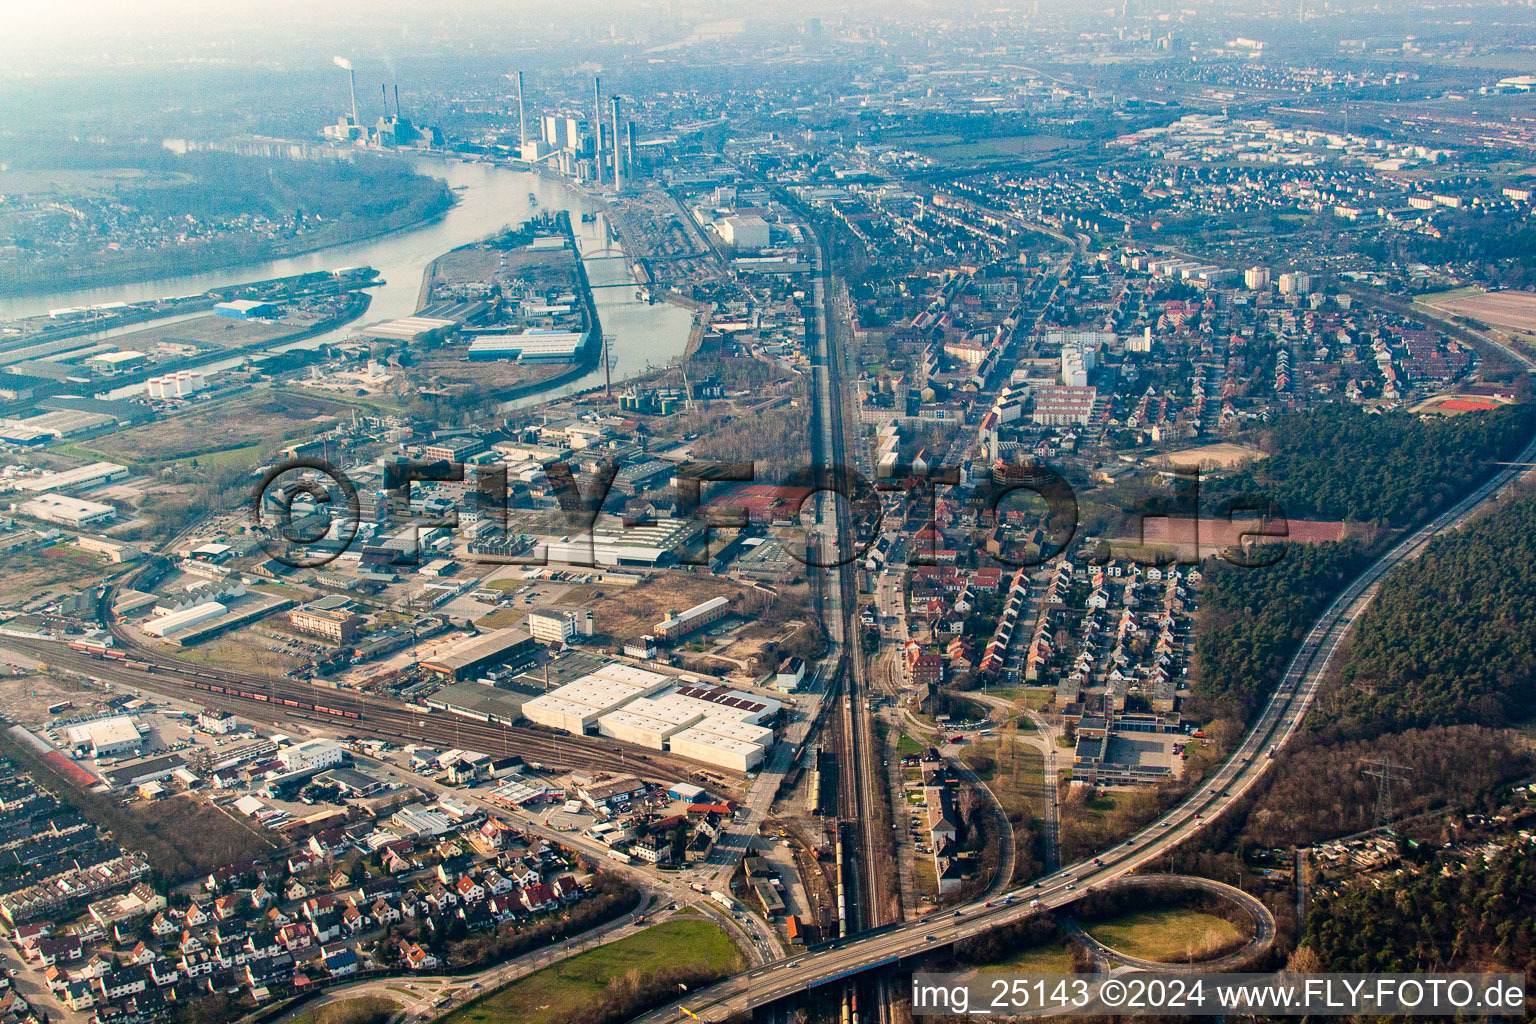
{"points": [[722, 899]]}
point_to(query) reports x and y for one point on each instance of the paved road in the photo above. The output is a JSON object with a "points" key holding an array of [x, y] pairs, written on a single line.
{"points": [[1275, 725]]}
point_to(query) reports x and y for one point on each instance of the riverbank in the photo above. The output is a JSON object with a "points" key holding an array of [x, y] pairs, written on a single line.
{"points": [[642, 336], [115, 277]]}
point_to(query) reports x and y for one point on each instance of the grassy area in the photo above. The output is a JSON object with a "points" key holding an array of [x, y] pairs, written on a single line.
{"points": [[29, 574], [239, 652], [1429, 298], [1014, 771], [502, 618], [236, 431], [1053, 959], [906, 746], [1169, 935], [363, 1010], [578, 983], [926, 875]]}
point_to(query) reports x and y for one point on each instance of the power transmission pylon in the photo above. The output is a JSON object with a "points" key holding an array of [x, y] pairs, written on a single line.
{"points": [[1385, 773]]}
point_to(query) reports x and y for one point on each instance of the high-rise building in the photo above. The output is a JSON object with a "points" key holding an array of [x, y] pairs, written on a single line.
{"points": [[1256, 279], [618, 153], [1295, 283]]}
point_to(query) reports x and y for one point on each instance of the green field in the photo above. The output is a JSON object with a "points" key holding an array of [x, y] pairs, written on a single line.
{"points": [[1053, 959], [574, 984], [999, 148], [1169, 935], [364, 1010], [1429, 298], [1016, 775]]}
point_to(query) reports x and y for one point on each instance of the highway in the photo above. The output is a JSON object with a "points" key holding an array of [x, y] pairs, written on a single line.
{"points": [[1272, 729]]}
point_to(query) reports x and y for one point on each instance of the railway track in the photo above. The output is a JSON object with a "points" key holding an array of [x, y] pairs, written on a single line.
{"points": [[378, 717]]}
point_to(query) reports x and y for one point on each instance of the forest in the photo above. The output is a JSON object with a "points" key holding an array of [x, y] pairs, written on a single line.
{"points": [[1450, 637], [1481, 918], [1318, 790], [1250, 621], [1340, 462]]}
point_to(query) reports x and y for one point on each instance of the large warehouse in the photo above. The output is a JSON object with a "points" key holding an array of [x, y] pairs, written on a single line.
{"points": [[576, 707], [697, 617], [610, 542], [469, 657], [702, 743], [57, 508], [648, 722], [184, 619]]}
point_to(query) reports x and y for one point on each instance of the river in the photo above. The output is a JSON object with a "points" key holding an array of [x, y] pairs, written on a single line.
{"points": [[489, 198]]}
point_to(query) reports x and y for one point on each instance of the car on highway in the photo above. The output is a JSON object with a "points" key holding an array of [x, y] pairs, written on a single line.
{"points": [[930, 938]]}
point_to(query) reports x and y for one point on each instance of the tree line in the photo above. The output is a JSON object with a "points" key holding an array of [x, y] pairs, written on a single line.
{"points": [[1340, 462]]}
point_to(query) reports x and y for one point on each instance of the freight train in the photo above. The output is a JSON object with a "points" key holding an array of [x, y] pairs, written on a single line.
{"points": [[112, 654], [287, 702]]}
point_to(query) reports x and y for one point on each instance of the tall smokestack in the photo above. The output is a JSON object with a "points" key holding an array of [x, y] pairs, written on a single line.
{"points": [[597, 125], [397, 101], [618, 154], [522, 125], [629, 144], [346, 66]]}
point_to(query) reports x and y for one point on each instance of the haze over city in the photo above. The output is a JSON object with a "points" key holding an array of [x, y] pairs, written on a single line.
{"points": [[575, 513]]}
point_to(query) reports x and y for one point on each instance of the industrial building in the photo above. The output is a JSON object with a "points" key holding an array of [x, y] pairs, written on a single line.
{"points": [[476, 700], [180, 621], [117, 359], [502, 647], [576, 707], [647, 723], [56, 508], [107, 737], [610, 542], [744, 234], [560, 625], [701, 743], [412, 328], [311, 755], [326, 618], [246, 309], [695, 618], [713, 724], [529, 346], [80, 478]]}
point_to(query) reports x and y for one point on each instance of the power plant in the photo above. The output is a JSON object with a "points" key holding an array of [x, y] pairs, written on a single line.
{"points": [[584, 148], [391, 131]]}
